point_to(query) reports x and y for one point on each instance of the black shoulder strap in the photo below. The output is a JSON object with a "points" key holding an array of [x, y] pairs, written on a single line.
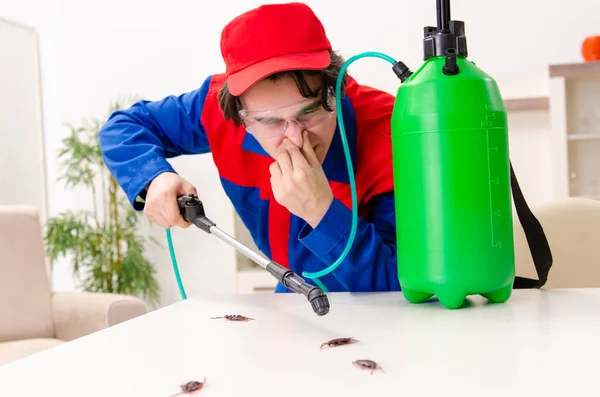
{"points": [[536, 239]]}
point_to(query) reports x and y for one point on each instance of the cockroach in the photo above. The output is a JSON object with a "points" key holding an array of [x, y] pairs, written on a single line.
{"points": [[339, 342], [367, 364], [190, 387], [235, 317]]}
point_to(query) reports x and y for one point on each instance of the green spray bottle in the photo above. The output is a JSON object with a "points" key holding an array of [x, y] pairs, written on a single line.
{"points": [[452, 178], [452, 175]]}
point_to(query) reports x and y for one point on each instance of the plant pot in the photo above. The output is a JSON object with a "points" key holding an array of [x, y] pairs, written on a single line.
{"points": [[590, 48]]}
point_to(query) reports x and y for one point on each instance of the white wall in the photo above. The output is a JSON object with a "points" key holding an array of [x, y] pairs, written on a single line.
{"points": [[21, 132], [93, 52]]}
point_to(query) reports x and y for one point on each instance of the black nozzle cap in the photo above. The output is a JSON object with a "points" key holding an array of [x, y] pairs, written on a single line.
{"points": [[437, 40], [317, 298], [402, 71], [450, 67], [319, 302]]}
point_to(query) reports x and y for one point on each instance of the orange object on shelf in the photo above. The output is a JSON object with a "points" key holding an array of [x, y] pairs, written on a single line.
{"points": [[590, 49]]}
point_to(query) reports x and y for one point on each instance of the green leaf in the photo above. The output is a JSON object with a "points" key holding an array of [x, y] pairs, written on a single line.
{"points": [[90, 245]]}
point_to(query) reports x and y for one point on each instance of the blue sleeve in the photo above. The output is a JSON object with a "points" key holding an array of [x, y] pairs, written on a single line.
{"points": [[371, 262], [136, 142]]}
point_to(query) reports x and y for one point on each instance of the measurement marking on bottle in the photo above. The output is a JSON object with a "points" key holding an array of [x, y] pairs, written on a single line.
{"points": [[490, 117], [494, 182], [489, 123]]}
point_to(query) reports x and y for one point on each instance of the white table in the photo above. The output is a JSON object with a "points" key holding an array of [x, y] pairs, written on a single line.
{"points": [[542, 343]]}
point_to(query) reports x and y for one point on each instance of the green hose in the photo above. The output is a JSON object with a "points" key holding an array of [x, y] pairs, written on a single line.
{"points": [[175, 267], [338, 100]]}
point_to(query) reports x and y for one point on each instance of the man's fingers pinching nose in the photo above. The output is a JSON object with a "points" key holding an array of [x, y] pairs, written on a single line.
{"points": [[309, 152]]}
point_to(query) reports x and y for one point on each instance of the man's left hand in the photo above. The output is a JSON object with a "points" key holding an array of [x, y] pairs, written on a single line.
{"points": [[299, 182]]}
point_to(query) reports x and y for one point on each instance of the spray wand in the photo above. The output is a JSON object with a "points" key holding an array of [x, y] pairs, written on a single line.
{"points": [[192, 211]]}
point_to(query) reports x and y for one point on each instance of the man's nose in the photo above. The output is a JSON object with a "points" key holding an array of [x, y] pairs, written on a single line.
{"points": [[293, 131]]}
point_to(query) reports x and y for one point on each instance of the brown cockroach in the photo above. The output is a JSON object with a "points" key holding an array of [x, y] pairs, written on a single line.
{"points": [[367, 364], [190, 387], [339, 342], [234, 317]]}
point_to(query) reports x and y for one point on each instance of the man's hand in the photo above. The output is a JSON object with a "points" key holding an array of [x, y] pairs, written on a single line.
{"points": [[299, 183], [161, 200]]}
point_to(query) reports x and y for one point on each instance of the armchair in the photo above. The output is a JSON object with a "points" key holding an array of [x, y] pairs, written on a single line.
{"points": [[572, 227], [32, 317]]}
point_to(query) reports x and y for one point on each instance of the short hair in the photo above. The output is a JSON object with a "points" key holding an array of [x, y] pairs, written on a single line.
{"points": [[231, 105]]}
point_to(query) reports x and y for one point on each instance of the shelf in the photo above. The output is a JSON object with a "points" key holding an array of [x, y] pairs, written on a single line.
{"points": [[591, 197], [575, 129], [583, 69], [583, 137], [527, 104], [584, 168]]}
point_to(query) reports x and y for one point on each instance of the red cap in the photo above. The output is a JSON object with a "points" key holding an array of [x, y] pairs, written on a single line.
{"points": [[269, 39]]}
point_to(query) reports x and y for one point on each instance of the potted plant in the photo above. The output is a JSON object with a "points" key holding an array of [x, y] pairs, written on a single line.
{"points": [[104, 244]]}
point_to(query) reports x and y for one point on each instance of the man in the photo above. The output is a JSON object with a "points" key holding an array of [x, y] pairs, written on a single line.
{"points": [[270, 123]]}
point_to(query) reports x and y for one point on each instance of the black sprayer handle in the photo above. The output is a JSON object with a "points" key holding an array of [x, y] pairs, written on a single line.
{"points": [[192, 211]]}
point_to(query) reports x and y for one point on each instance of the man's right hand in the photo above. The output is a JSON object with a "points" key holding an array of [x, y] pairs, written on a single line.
{"points": [[161, 200]]}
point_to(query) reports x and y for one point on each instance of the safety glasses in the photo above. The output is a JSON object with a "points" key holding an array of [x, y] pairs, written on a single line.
{"points": [[273, 122]]}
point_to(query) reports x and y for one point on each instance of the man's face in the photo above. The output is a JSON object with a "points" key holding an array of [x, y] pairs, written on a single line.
{"points": [[276, 111]]}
